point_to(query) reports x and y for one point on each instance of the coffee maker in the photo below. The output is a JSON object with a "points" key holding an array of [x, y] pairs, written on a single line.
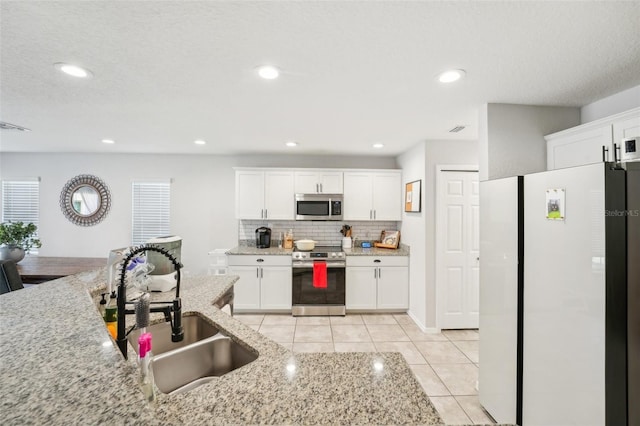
{"points": [[263, 237]]}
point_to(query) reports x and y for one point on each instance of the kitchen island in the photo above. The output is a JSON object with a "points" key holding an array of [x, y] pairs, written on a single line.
{"points": [[60, 366]]}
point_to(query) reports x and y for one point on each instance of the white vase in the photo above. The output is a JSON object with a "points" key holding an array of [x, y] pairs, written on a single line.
{"points": [[14, 253]]}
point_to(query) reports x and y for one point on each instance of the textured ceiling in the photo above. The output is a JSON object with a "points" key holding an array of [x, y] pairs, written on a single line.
{"points": [[354, 73]]}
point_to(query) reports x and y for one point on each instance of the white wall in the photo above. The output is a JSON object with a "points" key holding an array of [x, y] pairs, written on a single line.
{"points": [[513, 143], [614, 104], [419, 230], [413, 233], [202, 196]]}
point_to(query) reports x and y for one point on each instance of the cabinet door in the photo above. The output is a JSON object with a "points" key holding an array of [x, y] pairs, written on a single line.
{"points": [[387, 196], [625, 129], [249, 194], [275, 288], [393, 288], [330, 182], [580, 148], [306, 183], [279, 196], [247, 288], [358, 197], [360, 288]]}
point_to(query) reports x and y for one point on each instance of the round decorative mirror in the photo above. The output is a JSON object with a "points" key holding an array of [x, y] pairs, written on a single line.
{"points": [[85, 200]]}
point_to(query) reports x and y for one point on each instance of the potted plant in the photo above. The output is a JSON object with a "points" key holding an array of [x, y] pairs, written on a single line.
{"points": [[16, 239]]}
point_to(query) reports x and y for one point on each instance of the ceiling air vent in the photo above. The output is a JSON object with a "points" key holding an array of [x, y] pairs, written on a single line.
{"points": [[457, 129], [9, 126]]}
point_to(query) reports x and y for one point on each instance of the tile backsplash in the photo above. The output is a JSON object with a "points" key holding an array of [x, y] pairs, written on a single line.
{"points": [[325, 233]]}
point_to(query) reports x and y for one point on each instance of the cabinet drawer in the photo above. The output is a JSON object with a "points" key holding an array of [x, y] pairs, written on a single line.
{"points": [[253, 260], [382, 261]]}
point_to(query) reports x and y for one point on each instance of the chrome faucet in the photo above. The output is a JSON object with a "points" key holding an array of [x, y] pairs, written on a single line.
{"points": [[175, 306]]}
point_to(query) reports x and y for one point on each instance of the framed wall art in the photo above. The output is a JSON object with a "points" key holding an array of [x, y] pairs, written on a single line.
{"points": [[412, 197], [389, 239]]}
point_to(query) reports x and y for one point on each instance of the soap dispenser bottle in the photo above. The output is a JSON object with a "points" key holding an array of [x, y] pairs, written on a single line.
{"points": [[103, 305], [145, 358]]}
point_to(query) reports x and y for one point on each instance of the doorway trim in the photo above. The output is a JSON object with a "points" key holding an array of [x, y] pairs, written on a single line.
{"points": [[438, 232]]}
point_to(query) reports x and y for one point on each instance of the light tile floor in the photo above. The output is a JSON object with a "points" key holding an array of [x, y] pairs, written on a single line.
{"points": [[445, 364]]}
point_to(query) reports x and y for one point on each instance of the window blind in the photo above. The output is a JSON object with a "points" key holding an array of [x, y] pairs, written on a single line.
{"points": [[151, 203], [21, 202]]}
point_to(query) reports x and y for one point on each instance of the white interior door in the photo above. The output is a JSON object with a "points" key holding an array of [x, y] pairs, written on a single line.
{"points": [[457, 234]]}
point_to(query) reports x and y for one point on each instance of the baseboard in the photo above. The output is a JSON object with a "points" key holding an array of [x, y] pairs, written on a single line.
{"points": [[420, 325]]}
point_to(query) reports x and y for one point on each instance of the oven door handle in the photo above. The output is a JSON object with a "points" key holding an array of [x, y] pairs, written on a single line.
{"points": [[309, 265]]}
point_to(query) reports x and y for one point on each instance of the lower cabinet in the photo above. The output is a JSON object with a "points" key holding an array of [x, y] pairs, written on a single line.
{"points": [[393, 288], [275, 287], [372, 283], [377, 282], [264, 284], [360, 288]]}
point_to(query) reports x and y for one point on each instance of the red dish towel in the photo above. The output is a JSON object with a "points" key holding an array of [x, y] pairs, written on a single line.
{"points": [[320, 274]]}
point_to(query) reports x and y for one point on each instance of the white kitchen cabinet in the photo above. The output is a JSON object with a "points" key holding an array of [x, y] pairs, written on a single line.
{"points": [[387, 196], [361, 288], [626, 128], [393, 288], [318, 182], [247, 288], [249, 194], [584, 144], [264, 195], [377, 283], [264, 284], [579, 148], [373, 195], [275, 288]]}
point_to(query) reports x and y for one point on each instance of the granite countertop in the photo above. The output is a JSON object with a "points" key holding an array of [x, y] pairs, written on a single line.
{"points": [[60, 366], [403, 250]]}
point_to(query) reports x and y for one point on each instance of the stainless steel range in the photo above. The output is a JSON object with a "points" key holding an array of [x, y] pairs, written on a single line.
{"points": [[309, 300]]}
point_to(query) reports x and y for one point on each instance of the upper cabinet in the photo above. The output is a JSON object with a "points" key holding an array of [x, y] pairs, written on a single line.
{"points": [[592, 142], [318, 182], [270, 193], [373, 195], [264, 195]]}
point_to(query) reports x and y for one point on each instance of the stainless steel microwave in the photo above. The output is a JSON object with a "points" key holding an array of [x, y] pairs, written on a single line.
{"points": [[318, 206]]}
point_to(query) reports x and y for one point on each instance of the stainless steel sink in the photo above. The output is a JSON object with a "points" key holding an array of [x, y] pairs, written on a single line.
{"points": [[196, 329], [188, 367]]}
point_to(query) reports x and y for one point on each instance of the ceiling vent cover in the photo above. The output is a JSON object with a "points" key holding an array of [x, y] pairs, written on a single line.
{"points": [[9, 126], [457, 129]]}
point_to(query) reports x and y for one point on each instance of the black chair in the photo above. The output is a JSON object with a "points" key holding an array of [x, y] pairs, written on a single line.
{"points": [[9, 277]]}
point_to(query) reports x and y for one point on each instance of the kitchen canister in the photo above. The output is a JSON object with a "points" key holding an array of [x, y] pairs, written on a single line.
{"points": [[346, 242]]}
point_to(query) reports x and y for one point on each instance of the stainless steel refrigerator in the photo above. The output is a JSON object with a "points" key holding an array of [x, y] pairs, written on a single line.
{"points": [[560, 297]]}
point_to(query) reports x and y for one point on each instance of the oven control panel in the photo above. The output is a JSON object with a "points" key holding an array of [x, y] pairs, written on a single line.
{"points": [[319, 255]]}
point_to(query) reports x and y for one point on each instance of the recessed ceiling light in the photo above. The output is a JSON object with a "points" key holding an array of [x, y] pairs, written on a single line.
{"points": [[73, 70], [451, 76], [291, 144], [200, 142], [268, 72], [378, 145], [109, 141]]}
